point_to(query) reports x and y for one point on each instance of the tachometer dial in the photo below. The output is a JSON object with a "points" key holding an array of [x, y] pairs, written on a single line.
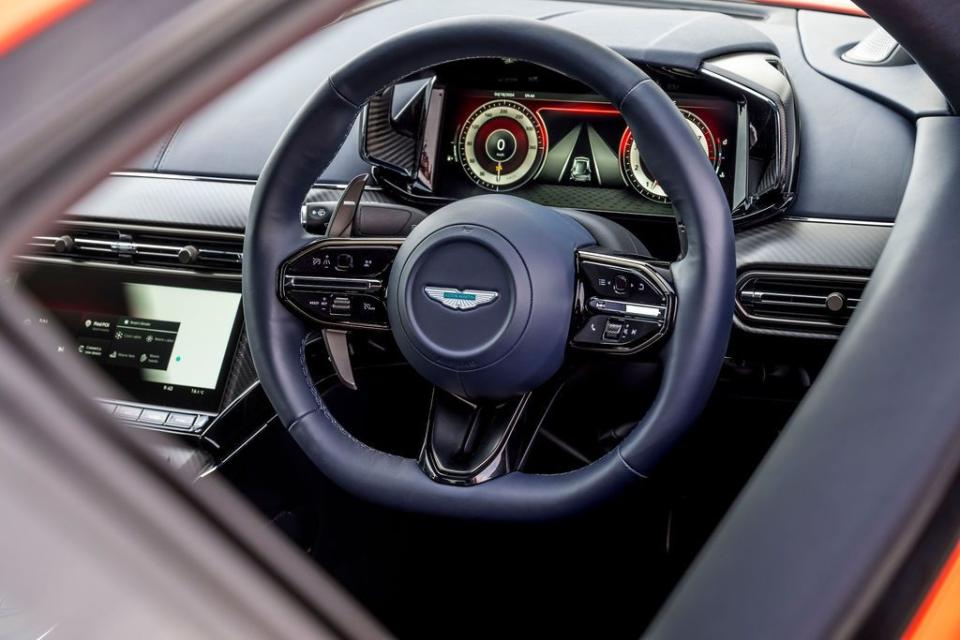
{"points": [[501, 145], [635, 171]]}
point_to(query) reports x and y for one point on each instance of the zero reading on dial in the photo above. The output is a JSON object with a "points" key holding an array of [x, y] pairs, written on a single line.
{"points": [[500, 145], [637, 174]]}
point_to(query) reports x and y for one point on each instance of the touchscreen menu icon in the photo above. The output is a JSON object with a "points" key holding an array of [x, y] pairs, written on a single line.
{"points": [[128, 342]]}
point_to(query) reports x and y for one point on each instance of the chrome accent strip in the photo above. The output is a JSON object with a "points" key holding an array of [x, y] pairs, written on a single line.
{"points": [[309, 283], [141, 228], [179, 176], [622, 261], [636, 310], [864, 223], [205, 178], [243, 444], [778, 112], [215, 419], [121, 246], [786, 154], [94, 264]]}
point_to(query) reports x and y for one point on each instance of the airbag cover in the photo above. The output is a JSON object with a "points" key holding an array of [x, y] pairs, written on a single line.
{"points": [[481, 293]]}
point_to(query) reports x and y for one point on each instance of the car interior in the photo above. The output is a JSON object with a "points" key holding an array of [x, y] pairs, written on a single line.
{"points": [[494, 309]]}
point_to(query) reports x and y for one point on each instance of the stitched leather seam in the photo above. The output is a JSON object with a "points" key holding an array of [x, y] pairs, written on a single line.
{"points": [[632, 89], [627, 465], [306, 371], [321, 405], [339, 93]]}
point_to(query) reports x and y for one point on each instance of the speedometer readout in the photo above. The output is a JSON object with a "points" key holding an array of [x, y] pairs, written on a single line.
{"points": [[501, 145], [639, 177]]}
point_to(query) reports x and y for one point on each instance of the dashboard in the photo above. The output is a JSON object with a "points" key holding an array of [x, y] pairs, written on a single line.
{"points": [[157, 312], [812, 204]]}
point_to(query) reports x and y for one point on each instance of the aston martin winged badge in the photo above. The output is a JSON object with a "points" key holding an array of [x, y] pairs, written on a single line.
{"points": [[460, 299]]}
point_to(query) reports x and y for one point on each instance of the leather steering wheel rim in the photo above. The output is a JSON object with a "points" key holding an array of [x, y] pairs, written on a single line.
{"points": [[703, 277]]}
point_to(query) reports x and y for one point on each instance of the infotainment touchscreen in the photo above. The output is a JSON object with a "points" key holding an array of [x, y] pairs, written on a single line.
{"points": [[166, 339]]}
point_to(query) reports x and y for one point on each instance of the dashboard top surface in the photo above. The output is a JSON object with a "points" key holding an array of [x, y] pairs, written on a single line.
{"points": [[866, 139]]}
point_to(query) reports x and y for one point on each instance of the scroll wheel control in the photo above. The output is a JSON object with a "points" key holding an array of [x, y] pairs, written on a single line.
{"points": [[611, 331], [621, 284], [344, 262]]}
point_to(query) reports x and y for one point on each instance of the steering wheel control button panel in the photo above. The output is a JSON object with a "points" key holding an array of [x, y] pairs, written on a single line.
{"points": [[624, 305], [619, 283], [340, 282]]}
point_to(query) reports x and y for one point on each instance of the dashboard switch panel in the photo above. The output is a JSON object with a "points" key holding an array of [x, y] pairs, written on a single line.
{"points": [[158, 419]]}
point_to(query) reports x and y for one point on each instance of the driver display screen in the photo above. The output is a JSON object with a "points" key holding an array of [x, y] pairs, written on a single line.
{"points": [[166, 343], [565, 149]]}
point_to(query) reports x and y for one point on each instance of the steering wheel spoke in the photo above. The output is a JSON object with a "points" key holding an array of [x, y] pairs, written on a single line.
{"points": [[340, 283], [469, 442], [624, 305]]}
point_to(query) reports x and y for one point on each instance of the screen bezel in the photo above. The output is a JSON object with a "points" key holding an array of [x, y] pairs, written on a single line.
{"points": [[32, 269]]}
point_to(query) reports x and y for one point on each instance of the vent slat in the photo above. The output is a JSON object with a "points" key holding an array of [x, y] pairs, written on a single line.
{"points": [[798, 302], [151, 246]]}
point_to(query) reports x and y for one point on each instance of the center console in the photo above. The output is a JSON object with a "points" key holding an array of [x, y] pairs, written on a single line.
{"points": [[167, 337]]}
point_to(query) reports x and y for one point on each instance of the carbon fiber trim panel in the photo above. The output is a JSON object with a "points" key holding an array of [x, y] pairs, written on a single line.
{"points": [[242, 373], [593, 198], [382, 142], [803, 245], [183, 202], [819, 246]]}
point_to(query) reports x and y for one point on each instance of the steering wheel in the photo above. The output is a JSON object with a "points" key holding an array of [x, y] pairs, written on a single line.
{"points": [[486, 297]]}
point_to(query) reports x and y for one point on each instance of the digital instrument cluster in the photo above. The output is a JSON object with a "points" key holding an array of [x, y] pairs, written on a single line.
{"points": [[535, 143]]}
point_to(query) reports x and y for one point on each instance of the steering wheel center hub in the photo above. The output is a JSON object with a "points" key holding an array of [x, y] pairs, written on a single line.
{"points": [[472, 315], [467, 297]]}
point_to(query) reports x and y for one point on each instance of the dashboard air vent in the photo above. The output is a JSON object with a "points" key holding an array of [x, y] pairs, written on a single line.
{"points": [[148, 246], [798, 302]]}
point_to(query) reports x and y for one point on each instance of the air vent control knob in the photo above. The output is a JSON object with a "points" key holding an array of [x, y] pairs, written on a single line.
{"points": [[836, 302], [188, 254], [63, 244]]}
